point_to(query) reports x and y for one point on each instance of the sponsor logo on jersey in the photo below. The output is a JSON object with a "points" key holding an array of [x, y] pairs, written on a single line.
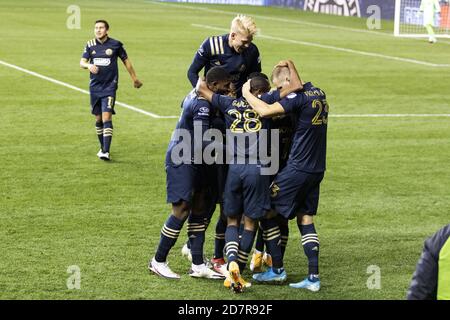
{"points": [[291, 96], [109, 52], [337, 7], [104, 62], [204, 109]]}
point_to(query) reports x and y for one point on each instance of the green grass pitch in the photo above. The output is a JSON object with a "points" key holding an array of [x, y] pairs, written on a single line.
{"points": [[386, 188]]}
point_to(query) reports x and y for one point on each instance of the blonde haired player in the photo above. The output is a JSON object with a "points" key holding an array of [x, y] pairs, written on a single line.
{"points": [[235, 52], [429, 9]]}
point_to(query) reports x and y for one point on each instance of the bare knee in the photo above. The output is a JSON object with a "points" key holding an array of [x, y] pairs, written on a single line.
{"points": [[304, 219], [181, 210]]}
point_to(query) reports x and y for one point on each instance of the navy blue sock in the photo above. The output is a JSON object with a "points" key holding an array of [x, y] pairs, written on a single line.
{"points": [[310, 242], [245, 246], [271, 235], [169, 235], [259, 245], [196, 233], [219, 239], [107, 135], [99, 129], [231, 243], [241, 229], [284, 231]]}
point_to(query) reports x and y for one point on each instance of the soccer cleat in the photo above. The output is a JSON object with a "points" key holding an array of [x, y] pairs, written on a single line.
{"points": [[256, 262], [267, 260], [162, 269], [234, 279], [99, 153], [313, 286], [202, 271], [219, 265], [104, 156], [186, 252], [270, 276]]}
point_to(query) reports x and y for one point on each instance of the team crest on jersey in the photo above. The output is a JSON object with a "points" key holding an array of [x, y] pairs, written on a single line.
{"points": [[274, 189], [109, 52], [337, 7], [242, 68]]}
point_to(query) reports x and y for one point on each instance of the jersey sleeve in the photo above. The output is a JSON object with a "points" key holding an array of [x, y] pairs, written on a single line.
{"points": [[221, 102], [201, 58], [202, 111], [424, 282], [122, 53], [293, 102], [271, 97], [256, 61], [86, 53]]}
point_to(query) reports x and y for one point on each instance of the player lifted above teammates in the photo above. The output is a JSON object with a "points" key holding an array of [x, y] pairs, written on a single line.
{"points": [[187, 183], [235, 52], [100, 58], [295, 190]]}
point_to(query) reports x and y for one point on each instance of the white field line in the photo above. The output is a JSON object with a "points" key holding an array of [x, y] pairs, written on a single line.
{"points": [[298, 21], [153, 115], [64, 84], [323, 46]]}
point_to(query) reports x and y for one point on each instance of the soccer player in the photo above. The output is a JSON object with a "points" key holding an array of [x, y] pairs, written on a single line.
{"points": [[100, 58], [187, 184], [281, 78], [246, 189], [295, 190], [429, 9], [234, 51]]}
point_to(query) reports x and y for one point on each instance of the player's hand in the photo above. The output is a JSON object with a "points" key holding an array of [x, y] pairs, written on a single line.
{"points": [[93, 68], [201, 84], [137, 83], [246, 88]]}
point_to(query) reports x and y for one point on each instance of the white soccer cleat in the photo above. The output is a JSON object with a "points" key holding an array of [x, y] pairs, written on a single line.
{"points": [[162, 269], [104, 156], [99, 153], [202, 271], [186, 252]]}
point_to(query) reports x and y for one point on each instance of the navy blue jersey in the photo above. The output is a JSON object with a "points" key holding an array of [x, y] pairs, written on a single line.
{"points": [[215, 51], [309, 144], [241, 119], [194, 109], [104, 56]]}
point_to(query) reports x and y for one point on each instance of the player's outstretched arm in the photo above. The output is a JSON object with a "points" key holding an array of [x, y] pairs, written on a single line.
{"points": [[263, 109], [84, 63], [137, 83], [202, 89]]}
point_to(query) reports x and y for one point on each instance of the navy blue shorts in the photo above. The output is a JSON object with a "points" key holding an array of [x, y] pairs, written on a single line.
{"points": [[102, 103], [246, 191], [294, 191], [189, 182]]}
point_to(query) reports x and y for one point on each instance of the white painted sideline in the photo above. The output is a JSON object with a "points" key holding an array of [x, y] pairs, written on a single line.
{"points": [[323, 46], [298, 21], [64, 84], [153, 115]]}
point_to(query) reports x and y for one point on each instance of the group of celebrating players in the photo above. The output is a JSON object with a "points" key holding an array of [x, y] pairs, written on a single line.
{"points": [[235, 98]]}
